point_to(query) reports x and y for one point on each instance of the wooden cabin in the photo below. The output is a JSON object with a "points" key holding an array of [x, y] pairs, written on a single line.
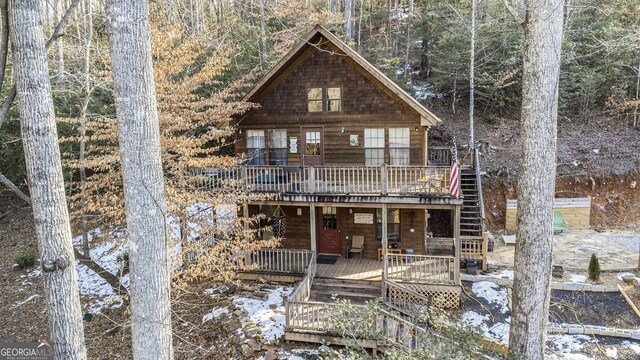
{"points": [[343, 153]]}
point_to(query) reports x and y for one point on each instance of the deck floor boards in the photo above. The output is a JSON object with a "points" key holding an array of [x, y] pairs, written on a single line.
{"points": [[351, 269]]}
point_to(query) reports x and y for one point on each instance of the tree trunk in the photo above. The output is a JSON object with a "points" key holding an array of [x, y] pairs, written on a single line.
{"points": [[472, 62], [139, 137], [536, 181], [44, 172], [59, 52], [349, 7], [88, 33]]}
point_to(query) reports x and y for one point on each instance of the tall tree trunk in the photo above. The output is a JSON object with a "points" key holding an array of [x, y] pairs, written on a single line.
{"points": [[59, 52], [263, 34], [472, 64], [44, 172], [139, 136], [536, 181], [88, 33], [349, 7]]}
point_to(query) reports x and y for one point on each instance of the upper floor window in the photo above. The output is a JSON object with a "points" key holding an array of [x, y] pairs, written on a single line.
{"points": [[314, 100], [373, 147], [324, 99], [256, 147], [278, 152], [334, 99], [399, 146]]}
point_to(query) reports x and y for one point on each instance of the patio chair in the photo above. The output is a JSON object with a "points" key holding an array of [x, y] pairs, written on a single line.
{"points": [[559, 224], [357, 245]]}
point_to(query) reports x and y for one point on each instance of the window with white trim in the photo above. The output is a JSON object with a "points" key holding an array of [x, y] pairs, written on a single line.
{"points": [[256, 147], [278, 152], [373, 147], [399, 146]]}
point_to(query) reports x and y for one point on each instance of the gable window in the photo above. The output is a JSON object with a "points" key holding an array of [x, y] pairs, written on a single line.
{"points": [[314, 100], [278, 152], [324, 99], [393, 225], [334, 99], [373, 147], [399, 146], [256, 147]]}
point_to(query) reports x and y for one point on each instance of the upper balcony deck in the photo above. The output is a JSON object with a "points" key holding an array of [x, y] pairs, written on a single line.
{"points": [[400, 181]]}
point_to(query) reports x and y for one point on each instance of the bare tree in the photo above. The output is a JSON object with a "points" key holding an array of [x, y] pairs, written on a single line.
{"points": [[542, 22], [143, 182], [349, 15], [44, 171]]}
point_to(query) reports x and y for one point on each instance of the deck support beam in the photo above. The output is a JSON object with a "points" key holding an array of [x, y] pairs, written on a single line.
{"points": [[313, 223], [385, 246]]}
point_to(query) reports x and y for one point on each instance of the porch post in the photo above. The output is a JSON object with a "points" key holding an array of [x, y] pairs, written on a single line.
{"points": [[385, 242], [245, 215], [457, 243], [313, 224]]}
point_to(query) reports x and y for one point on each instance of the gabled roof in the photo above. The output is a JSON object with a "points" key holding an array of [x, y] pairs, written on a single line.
{"points": [[427, 117]]}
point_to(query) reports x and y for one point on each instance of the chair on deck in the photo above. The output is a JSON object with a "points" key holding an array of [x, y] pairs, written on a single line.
{"points": [[559, 224], [357, 245]]}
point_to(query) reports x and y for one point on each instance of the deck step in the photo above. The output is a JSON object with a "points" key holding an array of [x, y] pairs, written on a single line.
{"points": [[324, 287]]}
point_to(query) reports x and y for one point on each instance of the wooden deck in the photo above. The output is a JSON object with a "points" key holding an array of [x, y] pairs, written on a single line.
{"points": [[351, 269], [435, 269]]}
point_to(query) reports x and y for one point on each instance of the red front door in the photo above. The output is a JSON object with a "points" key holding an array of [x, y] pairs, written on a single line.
{"points": [[328, 233]]}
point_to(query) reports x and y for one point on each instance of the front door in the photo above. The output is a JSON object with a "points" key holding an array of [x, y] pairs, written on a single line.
{"points": [[312, 147], [328, 233]]}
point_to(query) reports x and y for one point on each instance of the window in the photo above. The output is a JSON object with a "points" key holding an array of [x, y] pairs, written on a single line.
{"points": [[373, 147], [399, 146], [278, 152], [314, 100], [312, 143], [393, 225], [329, 218], [324, 99], [255, 147], [334, 100]]}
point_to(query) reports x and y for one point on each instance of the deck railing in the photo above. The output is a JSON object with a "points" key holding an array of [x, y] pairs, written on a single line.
{"points": [[472, 248], [284, 261], [422, 269], [356, 322], [332, 180]]}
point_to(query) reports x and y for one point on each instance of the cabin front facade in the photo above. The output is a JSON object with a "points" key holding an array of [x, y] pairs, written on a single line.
{"points": [[352, 186]]}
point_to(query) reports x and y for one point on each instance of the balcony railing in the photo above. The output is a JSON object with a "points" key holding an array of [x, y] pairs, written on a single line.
{"points": [[330, 180]]}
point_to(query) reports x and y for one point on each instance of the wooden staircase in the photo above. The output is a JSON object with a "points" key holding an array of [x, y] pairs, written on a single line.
{"points": [[471, 225], [358, 291]]}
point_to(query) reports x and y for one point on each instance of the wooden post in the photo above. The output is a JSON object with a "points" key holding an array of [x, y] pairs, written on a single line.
{"points": [[385, 245], [312, 180], [245, 224], [457, 243], [485, 249], [313, 223], [383, 181], [243, 175]]}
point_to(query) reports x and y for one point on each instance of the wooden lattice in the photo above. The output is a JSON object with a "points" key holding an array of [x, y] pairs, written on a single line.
{"points": [[441, 296]]}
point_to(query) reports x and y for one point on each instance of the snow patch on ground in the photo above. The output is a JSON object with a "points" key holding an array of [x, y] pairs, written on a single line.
{"points": [[215, 313], [634, 346], [25, 300], [473, 319], [611, 352], [492, 293], [575, 278], [505, 274], [267, 314], [567, 344], [622, 274], [97, 292]]}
